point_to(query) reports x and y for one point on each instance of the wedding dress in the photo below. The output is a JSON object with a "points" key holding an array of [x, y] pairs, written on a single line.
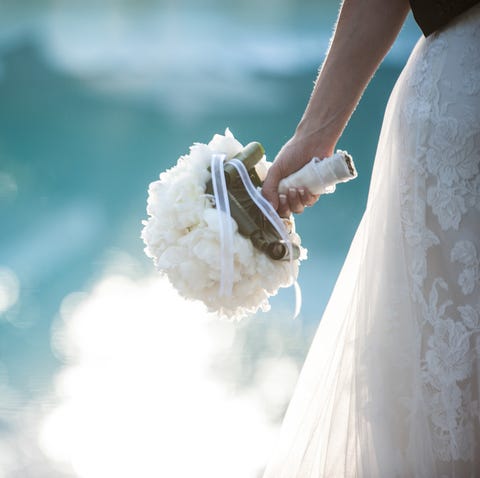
{"points": [[391, 384]]}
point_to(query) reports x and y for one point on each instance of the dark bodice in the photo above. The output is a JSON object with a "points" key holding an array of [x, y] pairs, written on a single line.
{"points": [[432, 15]]}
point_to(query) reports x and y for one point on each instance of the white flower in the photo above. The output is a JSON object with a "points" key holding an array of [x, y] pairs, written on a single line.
{"points": [[445, 133], [467, 280], [470, 316], [473, 193], [471, 79], [440, 404], [446, 205], [447, 358], [465, 253], [224, 144], [451, 157], [182, 237], [417, 237]]}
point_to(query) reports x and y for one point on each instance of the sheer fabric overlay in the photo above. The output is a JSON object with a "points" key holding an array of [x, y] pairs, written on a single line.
{"points": [[391, 384]]}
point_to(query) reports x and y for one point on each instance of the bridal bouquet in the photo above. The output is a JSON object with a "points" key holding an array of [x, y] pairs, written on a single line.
{"points": [[185, 231], [182, 236]]}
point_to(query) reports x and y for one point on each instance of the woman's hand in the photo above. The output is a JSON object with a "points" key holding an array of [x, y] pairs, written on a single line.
{"points": [[364, 33], [293, 156]]}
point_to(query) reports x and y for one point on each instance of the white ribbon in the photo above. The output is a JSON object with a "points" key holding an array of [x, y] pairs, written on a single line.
{"points": [[225, 224], [262, 203], [275, 220], [321, 176], [226, 234]]}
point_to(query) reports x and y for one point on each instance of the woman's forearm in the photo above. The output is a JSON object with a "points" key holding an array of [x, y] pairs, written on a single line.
{"points": [[364, 33]]}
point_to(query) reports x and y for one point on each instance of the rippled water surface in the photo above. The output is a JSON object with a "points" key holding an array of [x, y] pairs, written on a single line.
{"points": [[104, 371]]}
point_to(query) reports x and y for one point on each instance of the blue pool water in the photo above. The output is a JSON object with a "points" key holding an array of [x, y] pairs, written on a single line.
{"points": [[94, 103]]}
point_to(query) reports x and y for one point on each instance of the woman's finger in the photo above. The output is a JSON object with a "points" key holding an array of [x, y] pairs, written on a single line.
{"points": [[270, 186], [308, 199], [295, 201], [283, 206]]}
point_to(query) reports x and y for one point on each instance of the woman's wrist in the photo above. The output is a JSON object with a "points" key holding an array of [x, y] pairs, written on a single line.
{"points": [[321, 128], [316, 142]]}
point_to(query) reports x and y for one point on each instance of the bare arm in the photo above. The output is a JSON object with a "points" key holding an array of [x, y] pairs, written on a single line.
{"points": [[365, 31]]}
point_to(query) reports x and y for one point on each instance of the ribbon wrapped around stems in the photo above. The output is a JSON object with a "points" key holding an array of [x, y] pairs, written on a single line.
{"points": [[221, 196], [320, 176]]}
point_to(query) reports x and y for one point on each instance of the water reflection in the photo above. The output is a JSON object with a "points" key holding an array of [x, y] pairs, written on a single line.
{"points": [[8, 187], [9, 289], [138, 397]]}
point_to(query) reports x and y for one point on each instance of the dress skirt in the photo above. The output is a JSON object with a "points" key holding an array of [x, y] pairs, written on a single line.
{"points": [[391, 383]]}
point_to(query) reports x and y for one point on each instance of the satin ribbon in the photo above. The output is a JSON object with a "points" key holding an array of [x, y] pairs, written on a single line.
{"points": [[225, 224], [226, 233], [321, 176]]}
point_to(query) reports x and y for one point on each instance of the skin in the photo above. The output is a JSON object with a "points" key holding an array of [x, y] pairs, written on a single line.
{"points": [[365, 31]]}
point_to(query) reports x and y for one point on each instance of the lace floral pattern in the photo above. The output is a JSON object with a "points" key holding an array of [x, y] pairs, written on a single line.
{"points": [[465, 253], [440, 200]]}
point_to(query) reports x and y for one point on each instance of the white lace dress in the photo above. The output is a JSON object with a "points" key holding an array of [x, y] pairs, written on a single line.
{"points": [[391, 384]]}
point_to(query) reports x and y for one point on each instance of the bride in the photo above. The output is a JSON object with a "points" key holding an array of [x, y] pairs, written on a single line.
{"points": [[391, 384]]}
